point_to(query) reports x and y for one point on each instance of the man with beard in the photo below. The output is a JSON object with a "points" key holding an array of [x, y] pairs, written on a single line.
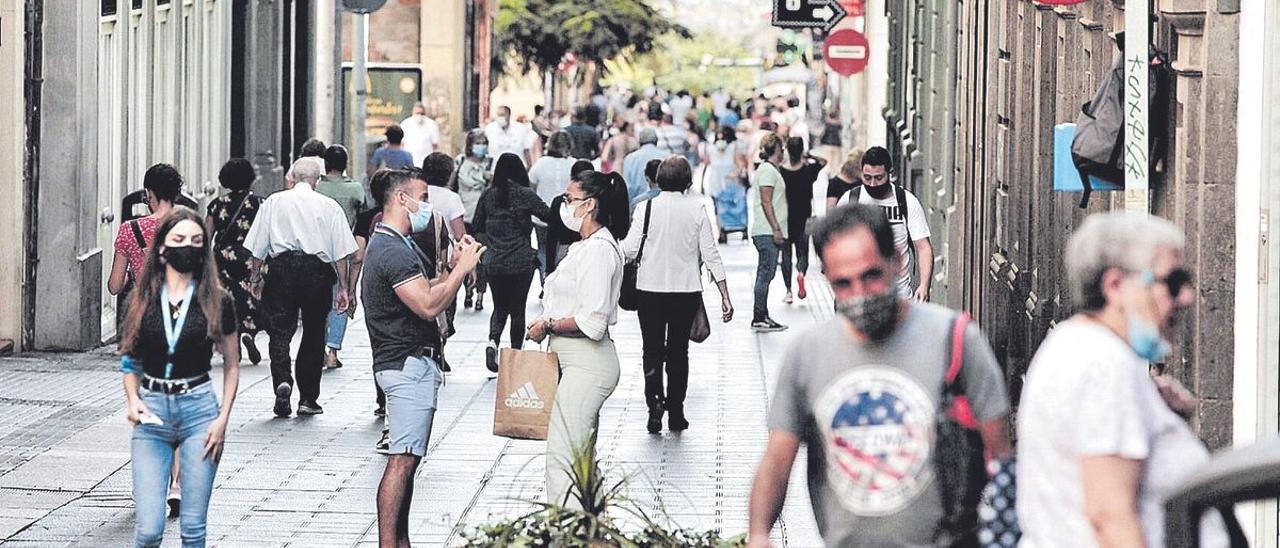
{"points": [[910, 227], [867, 406]]}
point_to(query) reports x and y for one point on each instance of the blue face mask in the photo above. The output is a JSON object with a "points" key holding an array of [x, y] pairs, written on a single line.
{"points": [[1146, 341], [419, 220], [479, 151], [1144, 338]]}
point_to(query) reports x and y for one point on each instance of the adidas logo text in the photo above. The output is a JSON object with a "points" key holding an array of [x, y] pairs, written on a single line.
{"points": [[526, 397]]}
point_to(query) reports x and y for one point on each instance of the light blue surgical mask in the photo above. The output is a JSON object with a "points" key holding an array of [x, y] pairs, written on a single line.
{"points": [[1145, 339], [479, 151], [420, 219]]}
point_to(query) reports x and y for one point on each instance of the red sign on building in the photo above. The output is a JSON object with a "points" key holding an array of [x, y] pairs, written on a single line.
{"points": [[854, 8], [846, 52]]}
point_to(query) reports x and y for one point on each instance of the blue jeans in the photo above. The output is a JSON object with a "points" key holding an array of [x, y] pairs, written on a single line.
{"points": [[186, 421], [336, 325], [766, 268]]}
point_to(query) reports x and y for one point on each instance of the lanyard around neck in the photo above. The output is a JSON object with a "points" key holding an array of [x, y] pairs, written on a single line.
{"points": [[173, 327], [391, 231]]}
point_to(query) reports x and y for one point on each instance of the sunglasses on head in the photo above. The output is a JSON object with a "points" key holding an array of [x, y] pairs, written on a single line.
{"points": [[1175, 281]]}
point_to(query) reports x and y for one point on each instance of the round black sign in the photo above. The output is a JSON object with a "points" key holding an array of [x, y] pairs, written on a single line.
{"points": [[362, 6]]}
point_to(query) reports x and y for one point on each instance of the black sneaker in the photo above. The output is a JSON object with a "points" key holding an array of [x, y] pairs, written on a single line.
{"points": [[767, 325], [676, 420], [175, 504], [466, 302], [479, 301], [283, 391], [309, 408], [251, 349], [491, 357], [384, 444], [380, 412]]}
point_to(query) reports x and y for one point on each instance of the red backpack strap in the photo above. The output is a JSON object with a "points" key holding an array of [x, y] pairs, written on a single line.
{"points": [[961, 412]]}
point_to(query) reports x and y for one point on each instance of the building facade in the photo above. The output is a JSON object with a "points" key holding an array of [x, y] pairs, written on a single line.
{"points": [[975, 92], [12, 147]]}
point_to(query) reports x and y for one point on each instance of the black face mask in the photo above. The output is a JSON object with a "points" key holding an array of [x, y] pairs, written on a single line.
{"points": [[185, 259], [880, 192]]}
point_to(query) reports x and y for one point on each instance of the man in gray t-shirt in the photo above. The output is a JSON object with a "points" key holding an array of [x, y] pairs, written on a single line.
{"points": [[866, 405]]}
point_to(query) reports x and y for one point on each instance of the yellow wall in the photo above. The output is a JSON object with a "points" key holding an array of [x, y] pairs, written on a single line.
{"points": [[443, 58], [12, 136]]}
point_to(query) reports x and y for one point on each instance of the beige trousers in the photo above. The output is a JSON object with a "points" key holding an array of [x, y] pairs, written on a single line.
{"points": [[589, 372]]}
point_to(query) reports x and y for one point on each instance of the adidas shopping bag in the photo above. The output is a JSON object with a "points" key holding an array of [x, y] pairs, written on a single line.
{"points": [[527, 382]]}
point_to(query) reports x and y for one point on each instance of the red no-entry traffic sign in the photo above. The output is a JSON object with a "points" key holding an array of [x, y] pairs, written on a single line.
{"points": [[846, 52]]}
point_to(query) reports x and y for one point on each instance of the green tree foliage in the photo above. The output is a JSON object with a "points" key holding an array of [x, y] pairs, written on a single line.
{"points": [[693, 63], [539, 33]]}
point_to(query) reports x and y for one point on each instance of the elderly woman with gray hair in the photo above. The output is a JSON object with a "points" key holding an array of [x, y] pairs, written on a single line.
{"points": [[1101, 442]]}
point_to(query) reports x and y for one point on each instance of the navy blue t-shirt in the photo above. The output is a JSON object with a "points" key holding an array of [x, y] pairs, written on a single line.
{"points": [[395, 331], [392, 158]]}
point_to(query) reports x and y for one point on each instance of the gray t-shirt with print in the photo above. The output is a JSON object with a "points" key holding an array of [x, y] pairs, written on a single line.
{"points": [[867, 415]]}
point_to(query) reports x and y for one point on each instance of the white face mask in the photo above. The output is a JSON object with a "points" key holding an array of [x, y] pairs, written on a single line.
{"points": [[568, 217]]}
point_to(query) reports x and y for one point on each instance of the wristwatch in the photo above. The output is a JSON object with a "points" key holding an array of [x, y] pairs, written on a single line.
{"points": [[551, 326]]}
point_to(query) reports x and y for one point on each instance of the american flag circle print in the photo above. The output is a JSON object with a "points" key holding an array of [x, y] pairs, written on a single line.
{"points": [[878, 427]]}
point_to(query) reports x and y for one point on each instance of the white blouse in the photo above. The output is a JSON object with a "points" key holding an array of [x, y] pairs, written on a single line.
{"points": [[586, 285], [680, 243]]}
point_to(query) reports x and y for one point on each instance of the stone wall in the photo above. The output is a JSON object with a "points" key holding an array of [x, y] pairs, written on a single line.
{"points": [[980, 155]]}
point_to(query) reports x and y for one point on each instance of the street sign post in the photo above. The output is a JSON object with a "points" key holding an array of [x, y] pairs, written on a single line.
{"points": [[362, 9], [846, 52], [1137, 106], [817, 14]]}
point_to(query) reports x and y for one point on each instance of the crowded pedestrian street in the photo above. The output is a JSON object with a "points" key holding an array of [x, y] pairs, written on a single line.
{"points": [[310, 481]]}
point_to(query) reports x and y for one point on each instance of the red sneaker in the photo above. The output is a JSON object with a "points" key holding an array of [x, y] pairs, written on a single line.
{"points": [[800, 285]]}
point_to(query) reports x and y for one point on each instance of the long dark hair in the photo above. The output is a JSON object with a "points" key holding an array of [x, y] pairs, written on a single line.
{"points": [[147, 290], [614, 203], [509, 171]]}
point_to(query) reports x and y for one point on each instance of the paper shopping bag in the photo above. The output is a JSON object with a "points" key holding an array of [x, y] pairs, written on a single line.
{"points": [[527, 381]]}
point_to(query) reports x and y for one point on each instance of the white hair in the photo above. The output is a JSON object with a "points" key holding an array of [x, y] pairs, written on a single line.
{"points": [[306, 170], [1104, 241]]}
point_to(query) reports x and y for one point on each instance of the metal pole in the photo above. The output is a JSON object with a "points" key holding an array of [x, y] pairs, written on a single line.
{"points": [[1137, 107], [360, 111]]}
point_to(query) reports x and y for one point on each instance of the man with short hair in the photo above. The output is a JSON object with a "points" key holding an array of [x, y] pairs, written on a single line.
{"points": [[312, 148], [403, 296], [350, 195], [651, 176], [910, 226], [586, 141], [633, 165], [866, 406], [506, 135], [421, 134], [304, 239], [392, 155]]}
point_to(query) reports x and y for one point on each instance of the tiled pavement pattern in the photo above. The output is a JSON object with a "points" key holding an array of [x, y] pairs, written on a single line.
{"points": [[64, 453]]}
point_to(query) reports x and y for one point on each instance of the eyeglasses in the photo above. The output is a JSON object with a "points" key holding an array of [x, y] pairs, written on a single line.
{"points": [[570, 199], [1175, 281]]}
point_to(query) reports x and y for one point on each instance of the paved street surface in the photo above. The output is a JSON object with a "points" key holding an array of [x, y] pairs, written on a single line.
{"points": [[64, 443]]}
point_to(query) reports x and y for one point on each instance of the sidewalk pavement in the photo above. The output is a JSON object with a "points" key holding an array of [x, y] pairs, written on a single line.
{"points": [[64, 443]]}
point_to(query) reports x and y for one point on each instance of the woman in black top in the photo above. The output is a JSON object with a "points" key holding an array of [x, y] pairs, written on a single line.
{"points": [[799, 174], [843, 182], [502, 222], [178, 312]]}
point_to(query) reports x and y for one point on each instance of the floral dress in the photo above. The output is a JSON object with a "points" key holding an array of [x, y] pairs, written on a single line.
{"points": [[232, 216]]}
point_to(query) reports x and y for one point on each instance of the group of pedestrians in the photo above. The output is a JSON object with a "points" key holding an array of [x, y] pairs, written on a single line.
{"points": [[424, 233]]}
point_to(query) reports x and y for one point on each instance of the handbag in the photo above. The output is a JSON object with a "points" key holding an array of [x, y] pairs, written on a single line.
{"points": [[701, 328], [629, 296], [958, 457]]}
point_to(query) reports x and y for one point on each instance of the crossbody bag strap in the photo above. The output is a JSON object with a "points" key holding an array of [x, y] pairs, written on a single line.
{"points": [[220, 237], [137, 234], [644, 236]]}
